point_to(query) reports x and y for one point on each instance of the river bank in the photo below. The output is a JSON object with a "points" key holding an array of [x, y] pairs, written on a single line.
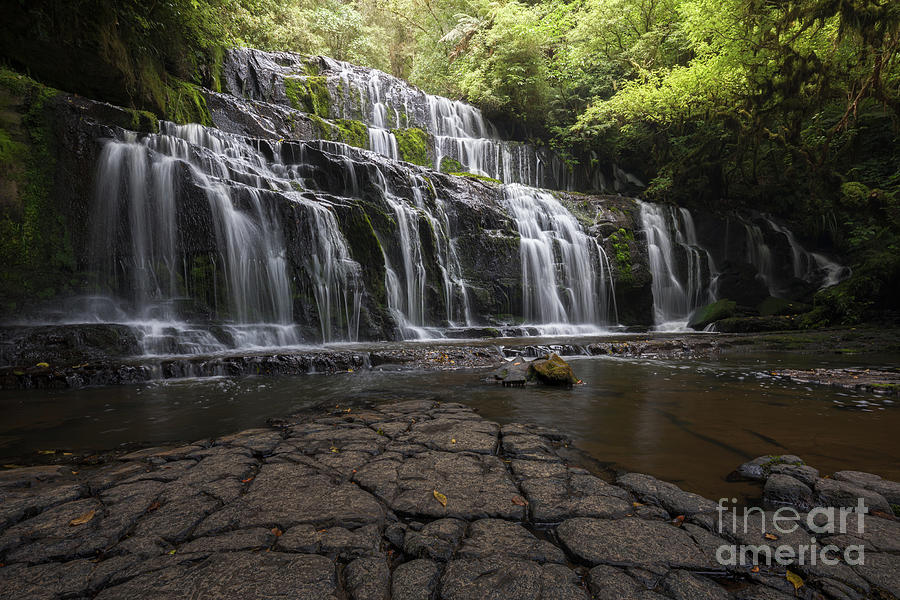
{"points": [[63, 363], [414, 499]]}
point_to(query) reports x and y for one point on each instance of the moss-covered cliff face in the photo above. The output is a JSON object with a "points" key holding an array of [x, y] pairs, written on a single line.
{"points": [[135, 53], [37, 260]]}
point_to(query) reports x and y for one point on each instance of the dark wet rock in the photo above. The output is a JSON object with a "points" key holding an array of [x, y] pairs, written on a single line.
{"points": [[609, 582], [502, 579], [709, 314], [784, 490], [489, 538], [415, 580], [165, 454], [454, 435], [258, 441], [682, 585], [761, 592], [475, 486], [830, 492], [529, 446], [17, 503], [243, 539], [803, 473], [437, 540], [629, 542], [243, 575], [882, 571], [741, 282], [368, 579], [876, 534], [64, 345], [334, 541], [664, 494], [285, 495], [47, 581], [759, 468], [889, 489], [512, 374], [27, 476], [552, 370], [572, 493]]}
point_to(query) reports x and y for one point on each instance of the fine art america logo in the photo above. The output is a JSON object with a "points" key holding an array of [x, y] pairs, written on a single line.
{"points": [[787, 520]]}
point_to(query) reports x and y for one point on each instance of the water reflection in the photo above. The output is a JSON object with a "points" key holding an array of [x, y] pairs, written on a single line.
{"points": [[691, 422]]}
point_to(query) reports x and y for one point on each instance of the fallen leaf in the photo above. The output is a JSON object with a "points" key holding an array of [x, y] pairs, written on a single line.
{"points": [[74, 472], [334, 450], [636, 504], [677, 521], [248, 480], [43, 365], [83, 518], [771, 536], [516, 364], [795, 579], [754, 570], [46, 451], [519, 501], [67, 454], [276, 532], [452, 440], [440, 498], [153, 506], [172, 551]]}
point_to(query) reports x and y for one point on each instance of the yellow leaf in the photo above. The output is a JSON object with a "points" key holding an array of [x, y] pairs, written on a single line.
{"points": [[46, 451], [636, 504], [43, 365], [440, 498], [173, 551], [771, 536], [795, 579], [83, 518], [452, 440], [334, 450]]}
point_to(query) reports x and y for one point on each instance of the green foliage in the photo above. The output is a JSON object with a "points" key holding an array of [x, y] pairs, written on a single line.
{"points": [[412, 144], [451, 165]]}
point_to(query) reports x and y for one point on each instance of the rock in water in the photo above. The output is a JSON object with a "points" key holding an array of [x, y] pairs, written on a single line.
{"points": [[552, 370]]}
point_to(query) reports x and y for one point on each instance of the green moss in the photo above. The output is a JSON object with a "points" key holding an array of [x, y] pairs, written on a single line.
{"points": [[309, 94], [621, 246], [718, 310], [354, 133], [451, 165], [896, 509], [185, 103], [483, 178], [772, 306], [552, 371], [36, 255], [412, 144], [143, 121]]}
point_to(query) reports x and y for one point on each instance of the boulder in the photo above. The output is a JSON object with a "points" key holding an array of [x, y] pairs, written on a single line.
{"points": [[784, 490], [741, 282], [552, 370], [706, 315]]}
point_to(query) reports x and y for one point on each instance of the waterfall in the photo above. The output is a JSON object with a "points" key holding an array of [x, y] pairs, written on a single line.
{"points": [[680, 268], [565, 282], [242, 277], [458, 131]]}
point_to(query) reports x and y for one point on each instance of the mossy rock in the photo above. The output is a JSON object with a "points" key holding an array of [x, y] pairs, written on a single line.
{"points": [[478, 177], [351, 132], [772, 306], [756, 324], [412, 144], [552, 370], [309, 94], [718, 310], [451, 165]]}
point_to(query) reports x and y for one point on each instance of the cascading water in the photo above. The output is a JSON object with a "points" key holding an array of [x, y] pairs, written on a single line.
{"points": [[459, 131], [565, 282], [680, 268], [137, 211]]}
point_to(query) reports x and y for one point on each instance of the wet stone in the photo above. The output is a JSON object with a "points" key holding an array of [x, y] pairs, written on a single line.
{"points": [[576, 494], [802, 473], [682, 585], [243, 539], [665, 495], [489, 538], [784, 490], [245, 575], [368, 578], [437, 540], [630, 542], [830, 492], [454, 435], [415, 580], [609, 582], [475, 486], [503, 579]]}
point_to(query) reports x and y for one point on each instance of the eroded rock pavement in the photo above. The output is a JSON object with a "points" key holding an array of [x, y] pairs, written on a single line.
{"points": [[416, 500]]}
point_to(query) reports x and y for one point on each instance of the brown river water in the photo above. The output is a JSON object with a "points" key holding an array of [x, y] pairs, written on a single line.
{"points": [[687, 421]]}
